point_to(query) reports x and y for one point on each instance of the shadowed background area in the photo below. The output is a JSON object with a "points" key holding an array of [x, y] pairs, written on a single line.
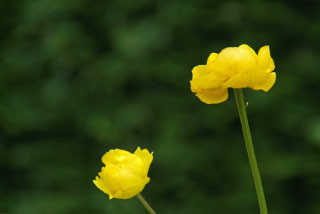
{"points": [[80, 77]]}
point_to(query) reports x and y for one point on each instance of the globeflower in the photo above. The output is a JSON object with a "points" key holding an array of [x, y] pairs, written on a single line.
{"points": [[234, 67], [124, 174]]}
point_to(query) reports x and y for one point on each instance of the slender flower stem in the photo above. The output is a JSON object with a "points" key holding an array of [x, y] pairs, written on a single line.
{"points": [[249, 146], [145, 204]]}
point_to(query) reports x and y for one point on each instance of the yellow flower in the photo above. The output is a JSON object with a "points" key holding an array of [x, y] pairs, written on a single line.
{"points": [[233, 67], [124, 174]]}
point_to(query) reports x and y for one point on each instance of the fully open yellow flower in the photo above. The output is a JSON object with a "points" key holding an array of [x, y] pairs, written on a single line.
{"points": [[124, 174], [233, 67]]}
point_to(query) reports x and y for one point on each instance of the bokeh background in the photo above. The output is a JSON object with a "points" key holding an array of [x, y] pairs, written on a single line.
{"points": [[80, 77]]}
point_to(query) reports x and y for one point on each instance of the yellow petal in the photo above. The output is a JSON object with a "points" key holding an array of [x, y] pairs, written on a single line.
{"points": [[212, 57], [145, 156], [120, 195], [232, 61], [203, 79], [213, 96], [266, 83], [102, 186], [110, 178], [254, 78], [133, 190], [123, 175], [115, 156], [264, 59], [240, 80], [248, 48]]}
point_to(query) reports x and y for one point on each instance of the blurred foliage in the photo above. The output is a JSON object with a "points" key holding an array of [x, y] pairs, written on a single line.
{"points": [[80, 77]]}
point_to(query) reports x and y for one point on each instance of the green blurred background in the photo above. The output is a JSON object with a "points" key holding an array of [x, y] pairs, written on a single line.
{"points": [[80, 77]]}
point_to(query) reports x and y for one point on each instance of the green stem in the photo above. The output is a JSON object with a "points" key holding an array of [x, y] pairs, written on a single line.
{"points": [[145, 204], [249, 146]]}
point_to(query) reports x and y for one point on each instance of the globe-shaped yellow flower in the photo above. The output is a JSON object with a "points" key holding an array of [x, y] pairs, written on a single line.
{"points": [[124, 174], [233, 67]]}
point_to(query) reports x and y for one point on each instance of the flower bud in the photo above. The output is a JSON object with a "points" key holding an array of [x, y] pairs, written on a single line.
{"points": [[124, 174]]}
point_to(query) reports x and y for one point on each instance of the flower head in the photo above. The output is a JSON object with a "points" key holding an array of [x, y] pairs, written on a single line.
{"points": [[233, 67], [124, 174]]}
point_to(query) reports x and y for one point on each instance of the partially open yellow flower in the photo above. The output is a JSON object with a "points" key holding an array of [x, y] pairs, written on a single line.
{"points": [[124, 174], [233, 67]]}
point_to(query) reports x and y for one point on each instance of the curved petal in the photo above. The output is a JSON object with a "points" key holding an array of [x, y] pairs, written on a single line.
{"points": [[240, 80], [212, 57], [145, 156], [266, 83], [133, 190], [102, 186], [203, 79], [264, 59], [115, 156], [213, 96], [111, 178], [232, 61], [254, 78], [248, 48]]}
